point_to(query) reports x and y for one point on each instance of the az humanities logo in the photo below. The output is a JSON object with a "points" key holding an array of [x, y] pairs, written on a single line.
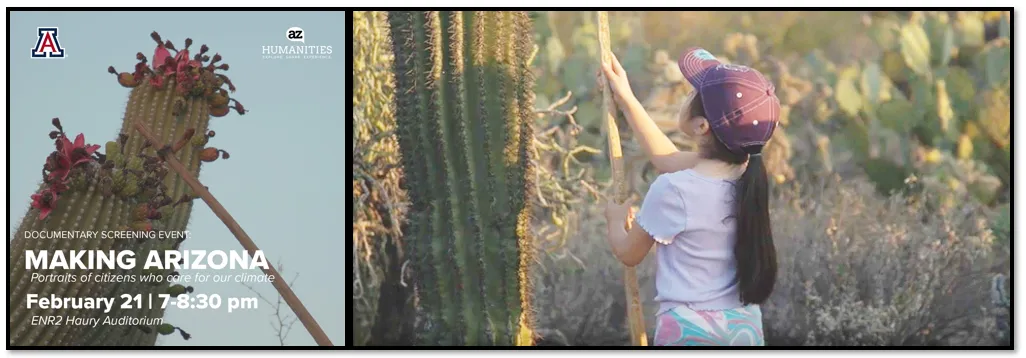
{"points": [[47, 45], [296, 52]]}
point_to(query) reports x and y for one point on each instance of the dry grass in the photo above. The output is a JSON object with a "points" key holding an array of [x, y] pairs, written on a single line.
{"points": [[856, 269], [579, 297]]}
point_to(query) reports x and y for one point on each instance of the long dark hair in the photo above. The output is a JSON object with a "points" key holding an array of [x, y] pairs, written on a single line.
{"points": [[755, 253]]}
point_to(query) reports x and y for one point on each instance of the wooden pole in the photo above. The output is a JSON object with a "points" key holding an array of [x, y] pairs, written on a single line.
{"points": [[635, 316], [279, 284]]}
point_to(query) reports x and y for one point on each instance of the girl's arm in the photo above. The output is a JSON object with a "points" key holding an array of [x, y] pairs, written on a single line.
{"points": [[663, 154], [630, 247], [660, 150]]}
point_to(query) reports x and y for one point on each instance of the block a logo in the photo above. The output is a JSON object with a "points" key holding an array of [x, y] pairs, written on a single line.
{"points": [[47, 44]]}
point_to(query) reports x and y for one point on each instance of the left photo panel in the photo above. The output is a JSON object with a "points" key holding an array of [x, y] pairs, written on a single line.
{"points": [[171, 179]]}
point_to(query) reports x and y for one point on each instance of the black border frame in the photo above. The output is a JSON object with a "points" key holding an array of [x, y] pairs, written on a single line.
{"points": [[350, 247]]}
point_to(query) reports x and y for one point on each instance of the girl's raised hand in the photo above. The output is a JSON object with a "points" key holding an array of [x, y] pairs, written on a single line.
{"points": [[618, 82]]}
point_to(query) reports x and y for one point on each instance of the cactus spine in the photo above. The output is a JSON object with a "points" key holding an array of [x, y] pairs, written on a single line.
{"points": [[463, 112], [127, 189]]}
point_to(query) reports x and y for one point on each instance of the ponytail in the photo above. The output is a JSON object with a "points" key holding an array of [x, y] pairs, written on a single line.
{"points": [[754, 250], [756, 255]]}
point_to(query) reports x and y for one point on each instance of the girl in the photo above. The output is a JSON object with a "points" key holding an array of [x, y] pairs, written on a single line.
{"points": [[708, 212]]}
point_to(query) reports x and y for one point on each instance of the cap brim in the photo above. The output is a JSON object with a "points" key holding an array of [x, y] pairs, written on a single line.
{"points": [[694, 63]]}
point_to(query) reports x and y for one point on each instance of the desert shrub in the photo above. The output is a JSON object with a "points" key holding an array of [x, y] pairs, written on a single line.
{"points": [[856, 269], [579, 297]]}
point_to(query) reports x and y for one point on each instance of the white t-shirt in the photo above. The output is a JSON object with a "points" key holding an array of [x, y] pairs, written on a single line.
{"points": [[690, 217]]}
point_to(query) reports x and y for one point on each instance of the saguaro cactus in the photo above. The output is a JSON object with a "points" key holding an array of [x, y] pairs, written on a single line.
{"points": [[463, 115], [127, 189]]}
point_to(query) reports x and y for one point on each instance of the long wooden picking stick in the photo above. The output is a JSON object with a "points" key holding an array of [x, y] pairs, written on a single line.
{"points": [[635, 318], [283, 289]]}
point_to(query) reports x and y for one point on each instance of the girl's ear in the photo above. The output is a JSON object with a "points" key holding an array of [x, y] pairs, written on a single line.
{"points": [[700, 126]]}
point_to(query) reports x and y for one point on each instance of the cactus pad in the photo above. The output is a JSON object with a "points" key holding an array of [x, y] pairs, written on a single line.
{"points": [[848, 97], [915, 48], [897, 114]]}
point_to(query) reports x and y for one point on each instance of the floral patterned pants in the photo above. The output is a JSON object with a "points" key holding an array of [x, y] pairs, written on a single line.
{"points": [[683, 326]]}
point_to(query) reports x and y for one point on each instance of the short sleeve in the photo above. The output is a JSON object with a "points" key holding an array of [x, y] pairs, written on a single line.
{"points": [[662, 212]]}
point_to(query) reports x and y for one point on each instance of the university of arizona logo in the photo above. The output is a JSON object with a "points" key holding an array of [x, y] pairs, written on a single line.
{"points": [[47, 45]]}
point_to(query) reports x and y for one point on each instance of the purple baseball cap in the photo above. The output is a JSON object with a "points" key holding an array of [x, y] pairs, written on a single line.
{"points": [[741, 104]]}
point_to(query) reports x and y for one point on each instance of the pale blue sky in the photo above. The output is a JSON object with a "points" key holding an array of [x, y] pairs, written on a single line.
{"points": [[285, 180]]}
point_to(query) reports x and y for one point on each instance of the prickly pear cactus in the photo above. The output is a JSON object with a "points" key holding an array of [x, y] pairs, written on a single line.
{"points": [[970, 30], [940, 85], [915, 48], [847, 94], [463, 109], [942, 38], [994, 61], [126, 187], [742, 48]]}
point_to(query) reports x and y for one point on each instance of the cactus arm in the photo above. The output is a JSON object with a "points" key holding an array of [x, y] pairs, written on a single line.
{"points": [[524, 52], [195, 117], [413, 42], [507, 172], [426, 34], [407, 109], [492, 59], [635, 315], [477, 148], [497, 104], [449, 60], [158, 112]]}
